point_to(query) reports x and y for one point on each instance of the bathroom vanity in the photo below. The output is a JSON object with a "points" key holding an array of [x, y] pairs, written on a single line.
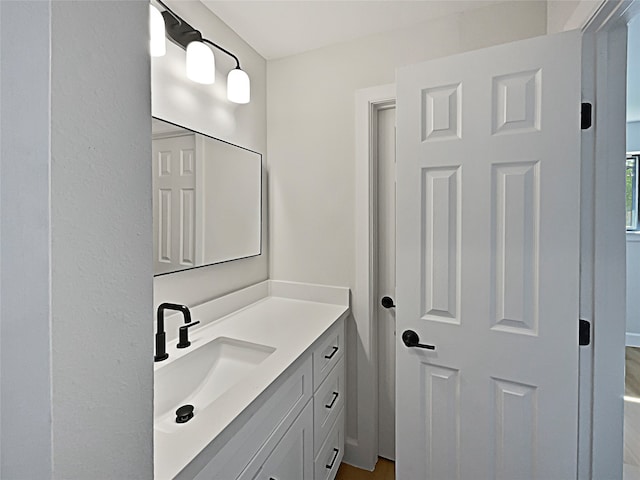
{"points": [[265, 373]]}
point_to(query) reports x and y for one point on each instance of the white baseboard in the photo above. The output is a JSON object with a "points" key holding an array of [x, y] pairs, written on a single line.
{"points": [[632, 340]]}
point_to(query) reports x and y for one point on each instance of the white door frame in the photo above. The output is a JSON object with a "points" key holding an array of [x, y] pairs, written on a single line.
{"points": [[603, 248], [362, 449], [603, 266]]}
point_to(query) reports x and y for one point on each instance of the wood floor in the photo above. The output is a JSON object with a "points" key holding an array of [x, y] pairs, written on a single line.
{"points": [[385, 470], [632, 372], [632, 433], [632, 412]]}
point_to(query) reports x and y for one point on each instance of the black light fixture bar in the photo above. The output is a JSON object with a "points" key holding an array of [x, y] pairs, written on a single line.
{"points": [[181, 33], [205, 40]]}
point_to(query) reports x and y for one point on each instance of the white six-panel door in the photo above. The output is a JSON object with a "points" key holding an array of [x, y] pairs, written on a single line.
{"points": [[174, 203], [487, 263]]}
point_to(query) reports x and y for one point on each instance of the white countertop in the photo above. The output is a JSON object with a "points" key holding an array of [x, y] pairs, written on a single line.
{"points": [[289, 325]]}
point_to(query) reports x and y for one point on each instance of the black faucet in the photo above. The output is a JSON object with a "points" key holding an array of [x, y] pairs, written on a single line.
{"points": [[161, 336]]}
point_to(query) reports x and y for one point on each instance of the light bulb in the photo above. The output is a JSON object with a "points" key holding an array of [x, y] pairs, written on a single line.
{"points": [[238, 86], [157, 32], [201, 65]]}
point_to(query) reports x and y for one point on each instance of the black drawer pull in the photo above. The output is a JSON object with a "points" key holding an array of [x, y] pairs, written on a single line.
{"points": [[335, 397], [330, 356], [335, 455]]}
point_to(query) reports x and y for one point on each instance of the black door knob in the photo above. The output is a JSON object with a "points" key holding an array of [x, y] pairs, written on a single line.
{"points": [[387, 302], [412, 340]]}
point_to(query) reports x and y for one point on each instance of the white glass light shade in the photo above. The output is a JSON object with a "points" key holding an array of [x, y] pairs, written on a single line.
{"points": [[157, 32], [201, 65], [238, 86]]}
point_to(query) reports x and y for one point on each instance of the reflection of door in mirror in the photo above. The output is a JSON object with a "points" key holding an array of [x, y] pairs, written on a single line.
{"points": [[207, 200], [174, 206]]}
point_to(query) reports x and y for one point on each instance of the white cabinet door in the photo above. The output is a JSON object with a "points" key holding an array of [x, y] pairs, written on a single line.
{"points": [[292, 458], [487, 263]]}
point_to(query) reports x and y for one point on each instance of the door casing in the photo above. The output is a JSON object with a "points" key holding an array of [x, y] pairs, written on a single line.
{"points": [[603, 253], [362, 451]]}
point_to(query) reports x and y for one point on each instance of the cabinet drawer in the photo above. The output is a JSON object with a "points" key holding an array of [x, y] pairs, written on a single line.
{"points": [[327, 353], [328, 460], [327, 404]]}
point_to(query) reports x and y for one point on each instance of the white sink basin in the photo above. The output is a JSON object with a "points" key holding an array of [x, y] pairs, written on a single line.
{"points": [[202, 376]]}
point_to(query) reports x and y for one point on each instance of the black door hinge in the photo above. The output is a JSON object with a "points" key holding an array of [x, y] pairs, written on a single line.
{"points": [[584, 336], [586, 116]]}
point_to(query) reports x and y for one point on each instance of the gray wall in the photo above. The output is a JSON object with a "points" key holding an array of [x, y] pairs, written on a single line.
{"points": [[76, 241], [25, 226]]}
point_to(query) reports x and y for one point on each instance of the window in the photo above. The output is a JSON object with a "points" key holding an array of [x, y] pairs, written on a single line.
{"points": [[631, 198]]}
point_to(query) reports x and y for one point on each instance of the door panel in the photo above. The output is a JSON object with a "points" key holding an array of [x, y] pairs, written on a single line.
{"points": [[174, 205], [487, 262], [441, 255]]}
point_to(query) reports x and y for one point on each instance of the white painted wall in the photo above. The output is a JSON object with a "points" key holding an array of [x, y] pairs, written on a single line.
{"points": [[563, 15], [558, 14], [77, 366], [633, 136], [311, 149], [633, 289], [205, 108], [633, 145], [633, 77]]}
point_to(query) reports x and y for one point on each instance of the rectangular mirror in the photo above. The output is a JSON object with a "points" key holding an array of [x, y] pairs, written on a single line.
{"points": [[207, 200]]}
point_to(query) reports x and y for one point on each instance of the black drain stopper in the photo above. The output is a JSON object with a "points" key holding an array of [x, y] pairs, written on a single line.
{"points": [[184, 413]]}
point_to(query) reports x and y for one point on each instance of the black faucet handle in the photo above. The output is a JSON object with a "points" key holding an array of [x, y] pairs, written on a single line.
{"points": [[183, 335]]}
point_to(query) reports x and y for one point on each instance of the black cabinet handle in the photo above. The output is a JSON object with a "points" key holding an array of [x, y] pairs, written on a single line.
{"points": [[387, 302], [335, 455], [330, 356], [335, 397], [411, 340]]}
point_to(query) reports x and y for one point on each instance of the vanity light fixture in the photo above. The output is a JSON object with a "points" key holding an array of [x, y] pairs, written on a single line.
{"points": [[157, 32], [201, 65], [200, 59]]}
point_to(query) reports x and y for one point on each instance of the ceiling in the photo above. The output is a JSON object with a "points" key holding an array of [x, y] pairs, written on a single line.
{"points": [[278, 29]]}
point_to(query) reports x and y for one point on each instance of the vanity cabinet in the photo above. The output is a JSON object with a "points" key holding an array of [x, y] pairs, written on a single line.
{"points": [[291, 457], [296, 432], [331, 452], [328, 403]]}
